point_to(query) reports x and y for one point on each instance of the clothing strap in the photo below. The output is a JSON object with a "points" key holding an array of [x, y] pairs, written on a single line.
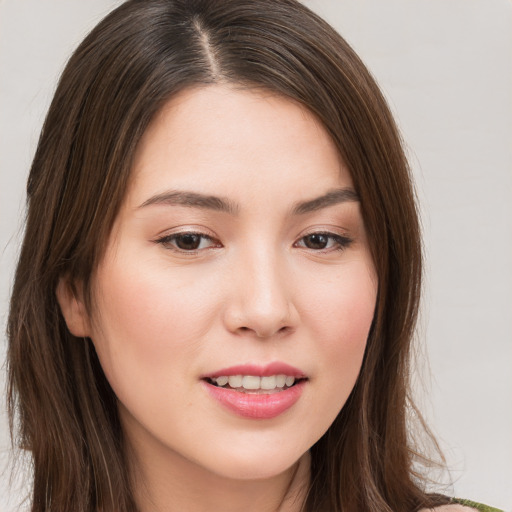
{"points": [[478, 506]]}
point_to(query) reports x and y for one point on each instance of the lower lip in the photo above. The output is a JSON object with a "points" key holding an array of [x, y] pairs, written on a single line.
{"points": [[256, 406]]}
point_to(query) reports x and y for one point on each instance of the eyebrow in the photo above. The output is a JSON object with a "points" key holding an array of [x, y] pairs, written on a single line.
{"points": [[192, 199], [209, 202], [332, 197]]}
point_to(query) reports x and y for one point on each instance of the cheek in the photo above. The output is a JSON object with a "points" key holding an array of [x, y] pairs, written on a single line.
{"points": [[341, 315], [343, 307], [148, 320]]}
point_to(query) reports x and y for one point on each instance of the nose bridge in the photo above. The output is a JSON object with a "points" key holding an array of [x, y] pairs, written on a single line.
{"points": [[261, 300]]}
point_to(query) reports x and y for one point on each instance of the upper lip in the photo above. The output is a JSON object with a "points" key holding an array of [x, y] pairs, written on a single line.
{"points": [[274, 368]]}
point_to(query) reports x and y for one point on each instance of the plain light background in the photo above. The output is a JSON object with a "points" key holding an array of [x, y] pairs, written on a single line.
{"points": [[446, 69]]}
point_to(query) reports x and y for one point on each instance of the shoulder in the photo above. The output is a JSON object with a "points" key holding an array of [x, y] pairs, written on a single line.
{"points": [[455, 507], [459, 505]]}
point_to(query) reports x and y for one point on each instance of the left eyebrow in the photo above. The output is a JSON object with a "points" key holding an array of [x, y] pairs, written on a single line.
{"points": [[332, 197]]}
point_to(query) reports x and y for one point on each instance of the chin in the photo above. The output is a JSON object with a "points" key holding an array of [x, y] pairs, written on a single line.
{"points": [[246, 466]]}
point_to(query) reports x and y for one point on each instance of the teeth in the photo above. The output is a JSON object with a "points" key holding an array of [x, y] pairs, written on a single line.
{"points": [[289, 381], [280, 381], [222, 381], [268, 382], [235, 381], [253, 382]]}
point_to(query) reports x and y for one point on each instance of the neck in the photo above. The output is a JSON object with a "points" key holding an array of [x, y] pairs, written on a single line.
{"points": [[173, 484]]}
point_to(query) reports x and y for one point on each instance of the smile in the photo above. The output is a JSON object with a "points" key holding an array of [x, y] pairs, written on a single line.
{"points": [[256, 392], [254, 384]]}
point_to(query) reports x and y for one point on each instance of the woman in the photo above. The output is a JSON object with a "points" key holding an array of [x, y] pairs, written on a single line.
{"points": [[222, 231]]}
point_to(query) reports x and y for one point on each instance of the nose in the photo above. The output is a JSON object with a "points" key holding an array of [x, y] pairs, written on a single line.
{"points": [[261, 299]]}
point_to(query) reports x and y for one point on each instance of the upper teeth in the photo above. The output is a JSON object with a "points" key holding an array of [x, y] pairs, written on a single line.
{"points": [[254, 382]]}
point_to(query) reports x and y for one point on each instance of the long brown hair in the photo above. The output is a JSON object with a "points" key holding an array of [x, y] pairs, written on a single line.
{"points": [[61, 406]]}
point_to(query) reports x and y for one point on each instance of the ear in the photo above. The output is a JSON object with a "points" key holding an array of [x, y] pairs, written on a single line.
{"points": [[73, 309]]}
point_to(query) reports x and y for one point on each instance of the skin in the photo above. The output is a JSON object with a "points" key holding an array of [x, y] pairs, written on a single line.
{"points": [[452, 508], [256, 290]]}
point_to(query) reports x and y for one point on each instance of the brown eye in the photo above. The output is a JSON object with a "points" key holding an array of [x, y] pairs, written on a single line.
{"points": [[324, 242], [316, 241], [187, 241]]}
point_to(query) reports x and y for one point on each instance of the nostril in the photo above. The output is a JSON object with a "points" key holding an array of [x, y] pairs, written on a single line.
{"points": [[263, 333]]}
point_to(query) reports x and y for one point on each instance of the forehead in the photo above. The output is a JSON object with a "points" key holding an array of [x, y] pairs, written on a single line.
{"points": [[219, 137]]}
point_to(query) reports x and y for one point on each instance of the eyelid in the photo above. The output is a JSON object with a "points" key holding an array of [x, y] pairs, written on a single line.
{"points": [[342, 240], [188, 228], [166, 239]]}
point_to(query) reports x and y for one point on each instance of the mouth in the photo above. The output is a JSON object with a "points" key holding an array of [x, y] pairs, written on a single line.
{"points": [[256, 392], [254, 384]]}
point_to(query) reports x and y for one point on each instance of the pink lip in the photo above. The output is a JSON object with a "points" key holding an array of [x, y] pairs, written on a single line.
{"points": [[275, 368], [256, 406], [253, 405]]}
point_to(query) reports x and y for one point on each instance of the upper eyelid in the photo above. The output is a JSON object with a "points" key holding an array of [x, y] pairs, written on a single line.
{"points": [[328, 231], [185, 230], [320, 231], [171, 236]]}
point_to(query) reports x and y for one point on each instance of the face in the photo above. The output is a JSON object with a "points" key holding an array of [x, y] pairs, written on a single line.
{"points": [[234, 299]]}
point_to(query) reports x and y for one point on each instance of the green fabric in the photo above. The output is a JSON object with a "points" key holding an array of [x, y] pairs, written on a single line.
{"points": [[478, 506]]}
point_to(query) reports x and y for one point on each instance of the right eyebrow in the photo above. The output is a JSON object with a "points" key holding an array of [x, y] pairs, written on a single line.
{"points": [[192, 199]]}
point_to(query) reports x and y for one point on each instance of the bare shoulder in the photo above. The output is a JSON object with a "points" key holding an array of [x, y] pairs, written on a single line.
{"points": [[455, 507]]}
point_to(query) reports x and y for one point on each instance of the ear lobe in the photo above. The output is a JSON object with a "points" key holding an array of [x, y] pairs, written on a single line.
{"points": [[73, 309]]}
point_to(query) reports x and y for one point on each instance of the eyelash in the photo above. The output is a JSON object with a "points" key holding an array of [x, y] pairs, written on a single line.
{"points": [[341, 242], [169, 242]]}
